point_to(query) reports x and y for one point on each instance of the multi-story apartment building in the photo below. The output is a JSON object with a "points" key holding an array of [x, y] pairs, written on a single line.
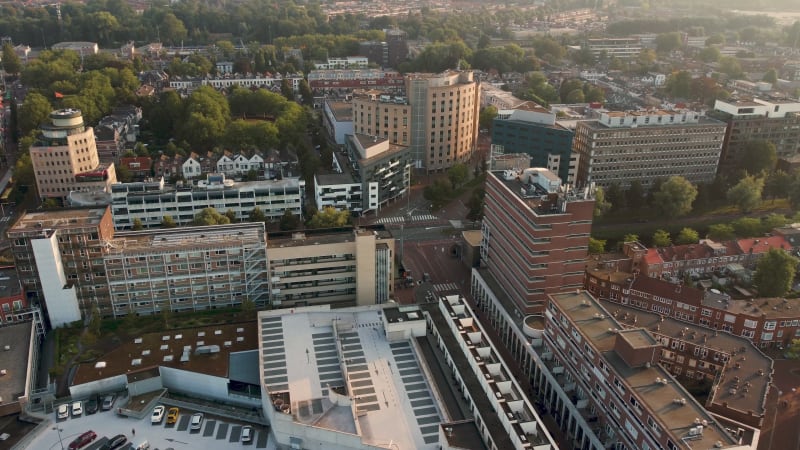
{"points": [[533, 130], [376, 52], [343, 190], [707, 256], [65, 159], [610, 47], [767, 322], [444, 117], [775, 121], [375, 161], [345, 80], [438, 119], [535, 234], [607, 377], [496, 398], [59, 256], [187, 269], [621, 147], [347, 62], [382, 115], [397, 47], [334, 268], [150, 201]]}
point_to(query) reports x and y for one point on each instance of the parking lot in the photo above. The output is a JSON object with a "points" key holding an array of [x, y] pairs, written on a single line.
{"points": [[215, 433]]}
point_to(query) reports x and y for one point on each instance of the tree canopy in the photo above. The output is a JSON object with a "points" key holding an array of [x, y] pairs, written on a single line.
{"points": [[746, 194], [210, 216], [675, 196], [758, 156], [329, 217], [774, 273]]}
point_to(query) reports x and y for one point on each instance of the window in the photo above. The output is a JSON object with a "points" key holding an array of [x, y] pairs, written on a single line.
{"points": [[770, 325], [748, 323]]}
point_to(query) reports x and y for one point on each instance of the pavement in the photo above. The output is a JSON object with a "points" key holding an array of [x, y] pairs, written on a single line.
{"points": [[780, 429], [215, 433]]}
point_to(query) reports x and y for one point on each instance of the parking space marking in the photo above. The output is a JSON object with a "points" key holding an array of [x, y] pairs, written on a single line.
{"points": [[183, 423], [209, 430], [236, 430], [222, 431], [262, 439]]}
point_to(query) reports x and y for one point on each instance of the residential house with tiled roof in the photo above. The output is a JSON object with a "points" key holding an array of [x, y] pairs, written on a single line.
{"points": [[138, 166]]}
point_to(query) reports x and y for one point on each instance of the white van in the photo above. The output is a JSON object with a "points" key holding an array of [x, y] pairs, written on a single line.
{"points": [[144, 445]]}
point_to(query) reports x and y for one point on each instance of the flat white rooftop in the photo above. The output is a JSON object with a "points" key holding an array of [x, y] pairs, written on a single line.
{"points": [[307, 352]]}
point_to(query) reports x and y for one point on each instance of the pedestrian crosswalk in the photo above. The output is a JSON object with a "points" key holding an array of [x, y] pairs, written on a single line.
{"points": [[5, 218], [401, 219], [392, 220], [445, 287], [423, 218]]}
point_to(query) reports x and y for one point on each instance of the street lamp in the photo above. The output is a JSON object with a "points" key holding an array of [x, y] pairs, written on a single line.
{"points": [[59, 436]]}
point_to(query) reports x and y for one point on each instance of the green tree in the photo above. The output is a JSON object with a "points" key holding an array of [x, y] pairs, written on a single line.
{"points": [[775, 272], [209, 216], [709, 54], [286, 89], [758, 156], [679, 84], [601, 206], [778, 184], [771, 76], [289, 221], [576, 96], [661, 238], [730, 66], [615, 196], [793, 351], [746, 194], [773, 221], [675, 197], [231, 215], [635, 195], [630, 237], [49, 203], [747, 226], [687, 236], [33, 113], [487, 115], [458, 174], [305, 93], [168, 222], [667, 42], [257, 215], [721, 232], [329, 217], [11, 62], [597, 246], [137, 224]]}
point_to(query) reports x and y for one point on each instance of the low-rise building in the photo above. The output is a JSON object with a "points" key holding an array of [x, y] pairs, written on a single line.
{"points": [[347, 62], [337, 119], [19, 361], [150, 201], [342, 81], [237, 165], [339, 268], [341, 189]]}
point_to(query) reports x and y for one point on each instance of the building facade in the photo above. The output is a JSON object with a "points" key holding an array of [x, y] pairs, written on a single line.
{"points": [[535, 234], [187, 269], [59, 259], [65, 159], [444, 118], [775, 121], [343, 190], [335, 268], [150, 201], [621, 147], [611, 47], [533, 130], [345, 80], [376, 161]]}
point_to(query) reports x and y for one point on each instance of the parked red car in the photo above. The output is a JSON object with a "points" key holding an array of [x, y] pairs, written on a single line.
{"points": [[83, 440]]}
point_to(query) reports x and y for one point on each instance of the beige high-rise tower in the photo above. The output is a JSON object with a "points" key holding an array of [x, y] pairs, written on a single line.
{"points": [[437, 119], [65, 159]]}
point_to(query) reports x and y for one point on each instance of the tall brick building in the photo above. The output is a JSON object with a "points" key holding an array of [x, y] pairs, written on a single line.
{"points": [[535, 235]]}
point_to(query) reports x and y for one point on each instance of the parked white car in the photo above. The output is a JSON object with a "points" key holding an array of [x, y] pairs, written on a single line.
{"points": [[158, 414]]}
